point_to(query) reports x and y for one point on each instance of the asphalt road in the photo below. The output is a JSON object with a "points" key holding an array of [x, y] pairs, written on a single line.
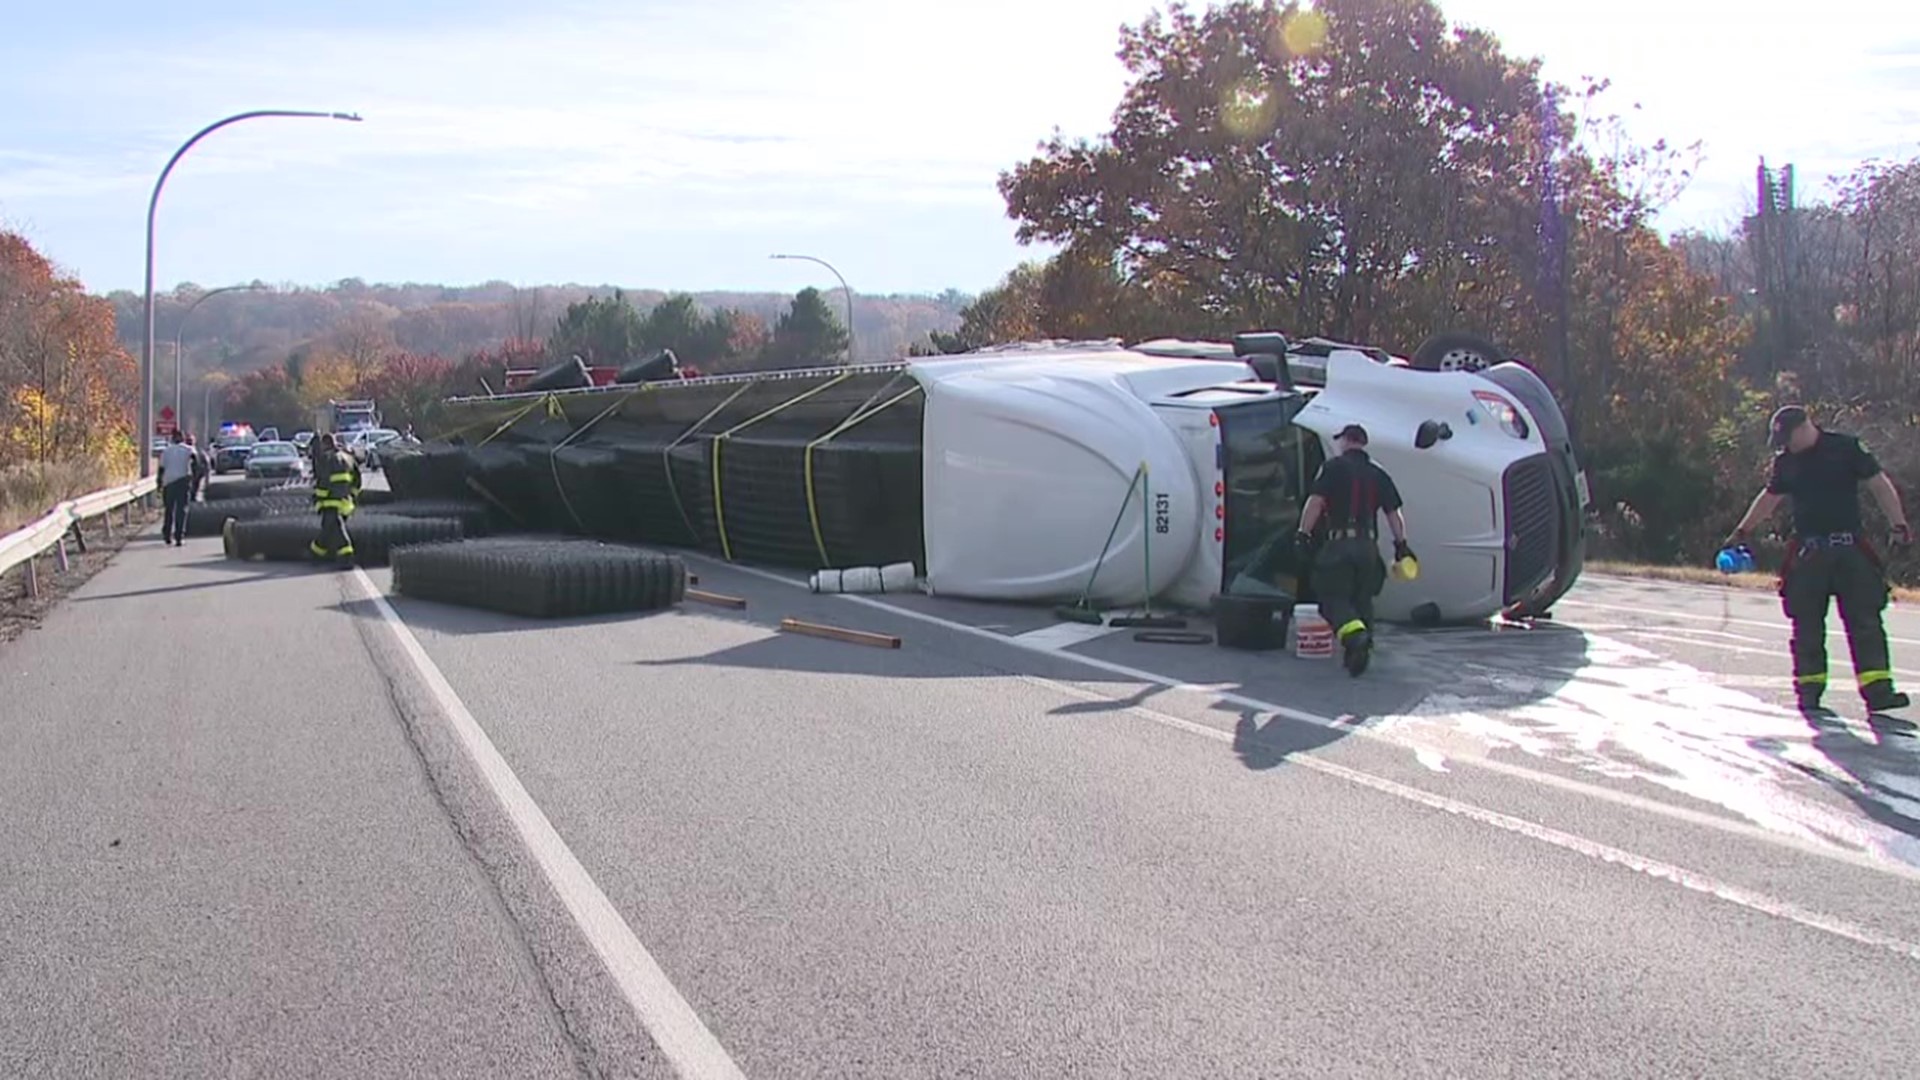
{"points": [[250, 833]]}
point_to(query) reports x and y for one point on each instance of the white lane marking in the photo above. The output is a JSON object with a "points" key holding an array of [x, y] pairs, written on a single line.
{"points": [[1220, 694], [1833, 629], [666, 1015], [1835, 664], [1579, 845], [1064, 635]]}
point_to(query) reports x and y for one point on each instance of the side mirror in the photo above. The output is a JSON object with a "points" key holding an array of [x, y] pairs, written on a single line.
{"points": [[1431, 432]]}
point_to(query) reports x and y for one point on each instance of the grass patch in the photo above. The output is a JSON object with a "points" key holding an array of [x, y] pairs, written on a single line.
{"points": [[28, 492], [1702, 575]]}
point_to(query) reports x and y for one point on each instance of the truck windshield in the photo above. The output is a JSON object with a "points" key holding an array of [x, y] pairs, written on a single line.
{"points": [[1269, 462]]}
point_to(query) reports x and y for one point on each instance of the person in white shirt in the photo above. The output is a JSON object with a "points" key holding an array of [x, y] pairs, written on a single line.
{"points": [[176, 488]]}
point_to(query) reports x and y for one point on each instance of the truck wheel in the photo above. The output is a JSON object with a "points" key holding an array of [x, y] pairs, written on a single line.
{"points": [[541, 578], [1455, 350]]}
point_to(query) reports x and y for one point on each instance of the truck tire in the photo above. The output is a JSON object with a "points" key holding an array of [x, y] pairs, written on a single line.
{"points": [[540, 578], [1455, 350], [206, 519], [375, 537]]}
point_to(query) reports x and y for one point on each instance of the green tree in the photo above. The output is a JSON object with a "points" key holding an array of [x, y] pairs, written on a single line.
{"points": [[808, 335], [599, 330]]}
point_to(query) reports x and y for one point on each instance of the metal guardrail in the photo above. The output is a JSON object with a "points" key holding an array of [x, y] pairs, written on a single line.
{"points": [[23, 545]]}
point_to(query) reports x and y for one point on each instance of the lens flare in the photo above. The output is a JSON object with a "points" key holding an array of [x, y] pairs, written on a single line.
{"points": [[1304, 32]]}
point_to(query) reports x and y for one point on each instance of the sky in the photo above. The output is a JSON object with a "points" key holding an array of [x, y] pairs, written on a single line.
{"points": [[659, 145]]}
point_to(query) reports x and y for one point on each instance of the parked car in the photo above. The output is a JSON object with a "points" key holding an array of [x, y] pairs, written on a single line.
{"points": [[365, 445], [276, 460], [231, 451], [271, 434]]}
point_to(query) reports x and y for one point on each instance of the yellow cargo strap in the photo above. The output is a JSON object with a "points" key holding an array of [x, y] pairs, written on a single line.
{"points": [[666, 456], [859, 416], [553, 406], [553, 461], [719, 507]]}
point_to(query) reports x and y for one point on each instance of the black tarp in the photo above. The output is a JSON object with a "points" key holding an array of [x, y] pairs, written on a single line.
{"points": [[644, 463]]}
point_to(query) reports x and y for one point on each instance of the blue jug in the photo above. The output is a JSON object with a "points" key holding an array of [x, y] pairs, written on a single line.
{"points": [[1735, 560]]}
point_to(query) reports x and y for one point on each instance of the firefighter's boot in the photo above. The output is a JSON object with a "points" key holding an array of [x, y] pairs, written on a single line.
{"points": [[1357, 650], [1882, 697]]}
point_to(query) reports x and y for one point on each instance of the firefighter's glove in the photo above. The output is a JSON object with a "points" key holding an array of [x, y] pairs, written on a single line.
{"points": [[1303, 544], [1902, 534], [1401, 551]]}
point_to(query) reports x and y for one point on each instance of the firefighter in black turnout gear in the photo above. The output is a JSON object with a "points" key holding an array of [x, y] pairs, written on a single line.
{"points": [[1351, 492], [1829, 555], [336, 484]]}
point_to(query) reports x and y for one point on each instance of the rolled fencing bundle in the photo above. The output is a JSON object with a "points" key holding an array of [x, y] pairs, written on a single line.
{"points": [[892, 578]]}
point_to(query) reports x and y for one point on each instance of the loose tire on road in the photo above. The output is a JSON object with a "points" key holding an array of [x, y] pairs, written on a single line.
{"points": [[541, 578], [375, 537], [206, 519]]}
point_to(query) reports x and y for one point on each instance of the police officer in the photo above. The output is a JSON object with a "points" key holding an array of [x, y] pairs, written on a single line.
{"points": [[1351, 492], [1829, 556], [336, 484]]}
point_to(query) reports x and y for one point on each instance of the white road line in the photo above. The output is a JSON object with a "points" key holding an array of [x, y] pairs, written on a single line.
{"points": [[1222, 695], [666, 1015], [1064, 635], [1835, 664], [1592, 849], [1833, 629]]}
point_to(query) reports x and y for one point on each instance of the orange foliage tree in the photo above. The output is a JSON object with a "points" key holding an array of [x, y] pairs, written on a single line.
{"points": [[67, 386]]}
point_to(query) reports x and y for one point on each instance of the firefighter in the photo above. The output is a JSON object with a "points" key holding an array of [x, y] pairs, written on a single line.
{"points": [[1350, 493], [336, 484], [1829, 555]]}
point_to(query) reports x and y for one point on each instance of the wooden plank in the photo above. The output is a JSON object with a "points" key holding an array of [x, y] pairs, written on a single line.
{"points": [[716, 599], [840, 633]]}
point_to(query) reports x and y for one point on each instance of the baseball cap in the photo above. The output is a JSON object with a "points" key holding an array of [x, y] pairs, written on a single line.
{"points": [[1353, 431], [1786, 420]]}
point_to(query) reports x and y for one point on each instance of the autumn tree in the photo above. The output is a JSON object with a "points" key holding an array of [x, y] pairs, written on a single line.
{"points": [[808, 335], [1275, 165], [67, 386]]}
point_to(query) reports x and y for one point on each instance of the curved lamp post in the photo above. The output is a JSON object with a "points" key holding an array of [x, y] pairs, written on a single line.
{"points": [[179, 333], [153, 206], [843, 288]]}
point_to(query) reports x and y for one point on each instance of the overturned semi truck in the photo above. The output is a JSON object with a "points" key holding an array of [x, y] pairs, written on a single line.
{"points": [[1021, 473]]}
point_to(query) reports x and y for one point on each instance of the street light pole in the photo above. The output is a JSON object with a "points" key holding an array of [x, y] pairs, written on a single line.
{"points": [[844, 287], [153, 206], [179, 333]]}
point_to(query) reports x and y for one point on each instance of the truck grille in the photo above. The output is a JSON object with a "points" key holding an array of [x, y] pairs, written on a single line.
{"points": [[1533, 525]]}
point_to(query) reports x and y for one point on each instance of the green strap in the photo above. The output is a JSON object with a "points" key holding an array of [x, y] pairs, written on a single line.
{"points": [[860, 416], [1111, 533], [719, 441]]}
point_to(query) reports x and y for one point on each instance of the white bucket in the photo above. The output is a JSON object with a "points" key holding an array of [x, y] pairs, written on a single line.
{"points": [[1312, 634], [896, 578]]}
